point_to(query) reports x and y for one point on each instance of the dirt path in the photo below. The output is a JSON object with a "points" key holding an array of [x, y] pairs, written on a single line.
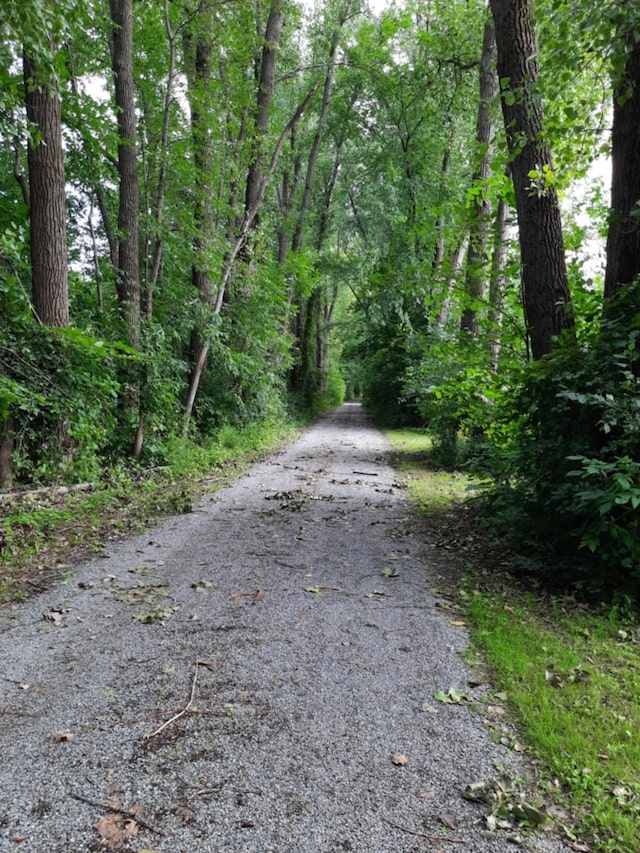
{"points": [[271, 625]]}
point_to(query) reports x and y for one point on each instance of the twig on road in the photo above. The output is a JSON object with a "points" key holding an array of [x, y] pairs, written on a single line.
{"points": [[130, 813], [441, 838], [186, 708]]}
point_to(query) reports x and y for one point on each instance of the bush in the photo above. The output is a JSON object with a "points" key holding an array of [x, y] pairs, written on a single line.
{"points": [[571, 433]]}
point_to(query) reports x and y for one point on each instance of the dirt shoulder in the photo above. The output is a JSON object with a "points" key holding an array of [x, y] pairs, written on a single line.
{"points": [[259, 675]]}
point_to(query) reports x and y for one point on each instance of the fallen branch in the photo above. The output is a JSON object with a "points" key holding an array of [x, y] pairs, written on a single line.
{"points": [[132, 814], [367, 473], [256, 594], [441, 838], [186, 708]]}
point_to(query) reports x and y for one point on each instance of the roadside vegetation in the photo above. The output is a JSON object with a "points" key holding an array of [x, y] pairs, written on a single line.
{"points": [[44, 531], [569, 668]]}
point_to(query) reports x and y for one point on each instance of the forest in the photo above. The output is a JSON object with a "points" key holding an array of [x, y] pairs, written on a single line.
{"points": [[216, 214]]}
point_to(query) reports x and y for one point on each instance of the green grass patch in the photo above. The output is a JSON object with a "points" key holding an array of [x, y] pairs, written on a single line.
{"points": [[432, 490], [572, 676], [573, 680]]}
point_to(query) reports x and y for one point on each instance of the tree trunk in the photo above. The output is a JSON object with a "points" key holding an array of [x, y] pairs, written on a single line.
{"points": [[48, 210], [198, 50], [497, 282], [623, 239], [6, 452], [547, 300], [455, 266], [48, 225], [266, 90], [476, 274], [439, 250], [161, 186], [128, 273]]}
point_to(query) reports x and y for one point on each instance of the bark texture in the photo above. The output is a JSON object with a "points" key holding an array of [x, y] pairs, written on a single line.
{"points": [[498, 281], [266, 90], [128, 278], [476, 276], [623, 239], [547, 300], [48, 204]]}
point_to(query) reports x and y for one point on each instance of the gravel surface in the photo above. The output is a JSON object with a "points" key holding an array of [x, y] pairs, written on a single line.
{"points": [[287, 669]]}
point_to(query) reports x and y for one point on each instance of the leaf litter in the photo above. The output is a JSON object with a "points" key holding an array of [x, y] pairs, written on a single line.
{"points": [[507, 807]]}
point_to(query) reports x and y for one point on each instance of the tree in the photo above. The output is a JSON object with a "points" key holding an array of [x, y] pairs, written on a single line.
{"points": [[547, 300], [623, 240], [479, 233], [128, 273], [47, 195]]}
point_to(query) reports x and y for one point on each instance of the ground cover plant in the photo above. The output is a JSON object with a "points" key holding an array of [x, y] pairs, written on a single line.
{"points": [[570, 671]]}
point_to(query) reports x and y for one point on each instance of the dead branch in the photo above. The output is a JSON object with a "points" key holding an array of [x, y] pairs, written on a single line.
{"points": [[186, 708], [132, 814], [441, 838]]}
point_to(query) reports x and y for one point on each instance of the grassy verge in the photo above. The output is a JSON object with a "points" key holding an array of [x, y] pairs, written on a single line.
{"points": [[572, 676], [433, 490], [42, 533]]}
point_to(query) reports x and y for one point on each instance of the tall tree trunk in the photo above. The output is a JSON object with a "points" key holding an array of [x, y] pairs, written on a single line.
{"points": [[128, 273], [455, 267], [476, 275], [296, 244], [48, 210], [161, 185], [266, 91], [623, 239], [198, 52], [547, 300], [48, 222], [299, 324], [497, 282]]}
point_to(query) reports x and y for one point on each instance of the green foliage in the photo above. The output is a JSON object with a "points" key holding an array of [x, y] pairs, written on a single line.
{"points": [[46, 377], [571, 435], [454, 392]]}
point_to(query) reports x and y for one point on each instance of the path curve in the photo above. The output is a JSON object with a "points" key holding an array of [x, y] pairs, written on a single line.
{"points": [[301, 669]]}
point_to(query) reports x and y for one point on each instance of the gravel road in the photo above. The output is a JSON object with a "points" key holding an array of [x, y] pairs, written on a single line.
{"points": [[241, 679]]}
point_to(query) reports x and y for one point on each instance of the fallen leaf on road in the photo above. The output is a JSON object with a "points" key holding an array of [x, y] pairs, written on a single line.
{"points": [[55, 615], [115, 830], [458, 623], [160, 614], [448, 820], [63, 737], [399, 759], [256, 594], [201, 586], [454, 697], [320, 590]]}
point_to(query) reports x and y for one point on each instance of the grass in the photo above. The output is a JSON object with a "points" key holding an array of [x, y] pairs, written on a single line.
{"points": [[433, 490], [44, 531], [571, 673]]}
